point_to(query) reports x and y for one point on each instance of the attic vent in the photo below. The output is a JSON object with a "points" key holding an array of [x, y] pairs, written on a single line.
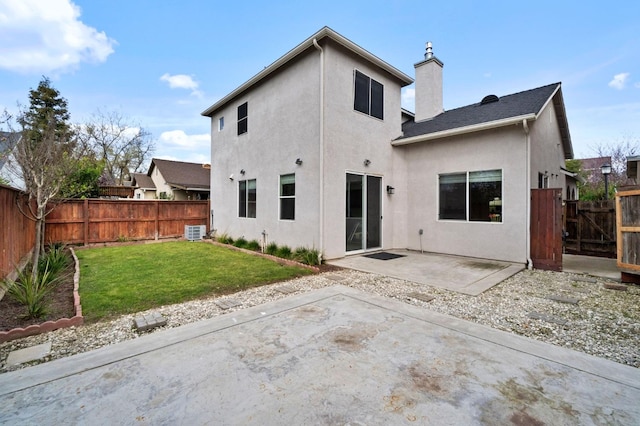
{"points": [[194, 232], [489, 99]]}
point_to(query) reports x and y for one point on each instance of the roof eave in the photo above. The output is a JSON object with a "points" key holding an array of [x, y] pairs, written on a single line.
{"points": [[464, 130], [324, 32]]}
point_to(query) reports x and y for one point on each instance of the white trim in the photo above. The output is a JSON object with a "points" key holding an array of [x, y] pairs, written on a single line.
{"points": [[463, 130]]}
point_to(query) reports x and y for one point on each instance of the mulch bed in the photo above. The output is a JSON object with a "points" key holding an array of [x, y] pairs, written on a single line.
{"points": [[60, 306]]}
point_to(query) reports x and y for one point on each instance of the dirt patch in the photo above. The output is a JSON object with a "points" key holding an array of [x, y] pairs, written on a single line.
{"points": [[60, 305]]}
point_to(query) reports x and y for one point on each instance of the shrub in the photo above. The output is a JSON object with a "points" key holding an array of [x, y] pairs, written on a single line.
{"points": [[224, 239], [240, 242], [253, 245], [57, 259], [32, 292], [284, 252], [272, 249], [307, 256]]}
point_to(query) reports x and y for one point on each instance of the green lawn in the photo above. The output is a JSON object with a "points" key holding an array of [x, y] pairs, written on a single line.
{"points": [[133, 278]]}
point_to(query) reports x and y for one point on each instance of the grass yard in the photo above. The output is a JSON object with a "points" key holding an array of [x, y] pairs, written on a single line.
{"points": [[133, 278]]}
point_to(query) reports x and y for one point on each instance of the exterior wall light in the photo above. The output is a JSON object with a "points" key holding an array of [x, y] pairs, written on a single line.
{"points": [[606, 171], [299, 162], [390, 190], [366, 162], [242, 172]]}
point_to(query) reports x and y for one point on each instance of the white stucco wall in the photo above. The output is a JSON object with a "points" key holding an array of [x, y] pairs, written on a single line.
{"points": [[503, 149], [283, 125], [546, 150]]}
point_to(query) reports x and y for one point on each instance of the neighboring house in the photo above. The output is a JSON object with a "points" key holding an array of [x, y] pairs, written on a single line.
{"points": [[591, 168], [144, 188], [633, 171], [8, 141], [315, 150], [178, 180]]}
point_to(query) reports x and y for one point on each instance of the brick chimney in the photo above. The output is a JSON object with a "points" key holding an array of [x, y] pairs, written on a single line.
{"points": [[428, 86]]}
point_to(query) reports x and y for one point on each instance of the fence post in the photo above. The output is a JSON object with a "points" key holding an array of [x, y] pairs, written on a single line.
{"points": [[157, 222], [85, 214]]}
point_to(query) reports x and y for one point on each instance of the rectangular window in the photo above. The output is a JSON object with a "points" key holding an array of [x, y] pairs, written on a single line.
{"points": [[243, 119], [288, 197], [472, 196], [220, 124], [247, 198], [368, 96]]}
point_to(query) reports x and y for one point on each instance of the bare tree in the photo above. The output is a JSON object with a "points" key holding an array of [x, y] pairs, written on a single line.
{"points": [[43, 156], [124, 147]]}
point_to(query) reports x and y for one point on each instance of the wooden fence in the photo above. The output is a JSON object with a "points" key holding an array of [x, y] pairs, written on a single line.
{"points": [[590, 228], [93, 221], [17, 233], [628, 223]]}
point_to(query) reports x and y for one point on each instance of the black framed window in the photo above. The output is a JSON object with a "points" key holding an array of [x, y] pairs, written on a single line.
{"points": [[473, 196], [288, 197], [247, 198], [368, 95], [243, 118]]}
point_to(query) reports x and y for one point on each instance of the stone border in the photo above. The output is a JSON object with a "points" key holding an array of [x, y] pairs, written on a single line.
{"points": [[76, 320]]}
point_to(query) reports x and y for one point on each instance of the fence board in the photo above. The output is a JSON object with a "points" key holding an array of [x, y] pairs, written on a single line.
{"points": [[98, 221], [17, 233], [591, 228], [628, 224]]}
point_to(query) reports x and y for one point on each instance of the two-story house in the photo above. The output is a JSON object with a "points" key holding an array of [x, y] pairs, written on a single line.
{"points": [[315, 150]]}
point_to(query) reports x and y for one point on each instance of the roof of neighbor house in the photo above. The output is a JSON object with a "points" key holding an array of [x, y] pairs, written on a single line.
{"points": [[142, 180], [591, 164], [182, 175], [309, 43], [8, 141], [491, 112]]}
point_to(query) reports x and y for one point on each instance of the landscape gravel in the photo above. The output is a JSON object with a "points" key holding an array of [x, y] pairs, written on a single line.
{"points": [[569, 310]]}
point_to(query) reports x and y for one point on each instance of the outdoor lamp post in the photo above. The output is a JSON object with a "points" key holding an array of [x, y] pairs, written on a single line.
{"points": [[606, 170]]}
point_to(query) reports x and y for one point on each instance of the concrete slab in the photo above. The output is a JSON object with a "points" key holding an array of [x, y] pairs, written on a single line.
{"points": [[331, 356], [591, 265], [29, 354], [461, 274]]}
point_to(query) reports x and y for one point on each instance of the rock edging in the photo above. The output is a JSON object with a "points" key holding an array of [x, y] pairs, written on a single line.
{"points": [[76, 320]]}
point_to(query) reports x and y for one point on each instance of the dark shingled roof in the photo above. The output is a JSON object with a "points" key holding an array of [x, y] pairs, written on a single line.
{"points": [[142, 180], [515, 105], [182, 175]]}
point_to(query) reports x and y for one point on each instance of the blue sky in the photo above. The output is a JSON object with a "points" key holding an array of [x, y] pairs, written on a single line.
{"points": [[161, 63]]}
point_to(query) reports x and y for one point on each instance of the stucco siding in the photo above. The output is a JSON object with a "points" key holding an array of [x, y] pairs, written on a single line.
{"points": [[283, 125], [351, 137], [547, 155], [503, 149]]}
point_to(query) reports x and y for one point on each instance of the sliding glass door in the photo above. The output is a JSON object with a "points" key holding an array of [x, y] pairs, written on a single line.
{"points": [[363, 212]]}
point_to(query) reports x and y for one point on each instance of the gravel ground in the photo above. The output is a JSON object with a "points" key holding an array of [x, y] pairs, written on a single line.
{"points": [[601, 322]]}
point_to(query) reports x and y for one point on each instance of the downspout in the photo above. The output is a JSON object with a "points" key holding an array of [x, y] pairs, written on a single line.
{"points": [[321, 194], [525, 126]]}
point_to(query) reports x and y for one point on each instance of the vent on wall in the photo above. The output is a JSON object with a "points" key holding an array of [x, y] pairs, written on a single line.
{"points": [[194, 232]]}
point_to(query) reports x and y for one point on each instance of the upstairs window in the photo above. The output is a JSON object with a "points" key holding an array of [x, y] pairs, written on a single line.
{"points": [[243, 119], [247, 198], [368, 96], [220, 124], [288, 197]]}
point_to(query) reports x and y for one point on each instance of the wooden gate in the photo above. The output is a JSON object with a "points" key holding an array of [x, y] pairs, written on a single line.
{"points": [[590, 228], [546, 229], [628, 223]]}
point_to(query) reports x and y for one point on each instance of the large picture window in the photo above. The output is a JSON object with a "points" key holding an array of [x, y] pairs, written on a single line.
{"points": [[288, 197], [472, 196], [368, 96], [243, 118], [247, 198]]}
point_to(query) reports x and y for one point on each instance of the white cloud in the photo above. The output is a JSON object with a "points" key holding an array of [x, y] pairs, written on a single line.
{"points": [[619, 80], [182, 81], [178, 138], [44, 36]]}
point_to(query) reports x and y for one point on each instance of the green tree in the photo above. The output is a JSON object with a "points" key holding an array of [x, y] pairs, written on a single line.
{"points": [[44, 155], [83, 182]]}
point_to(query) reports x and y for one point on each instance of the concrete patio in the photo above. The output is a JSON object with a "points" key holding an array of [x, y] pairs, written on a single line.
{"points": [[331, 356]]}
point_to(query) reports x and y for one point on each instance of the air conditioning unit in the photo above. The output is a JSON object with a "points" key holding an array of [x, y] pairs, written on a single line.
{"points": [[194, 232]]}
